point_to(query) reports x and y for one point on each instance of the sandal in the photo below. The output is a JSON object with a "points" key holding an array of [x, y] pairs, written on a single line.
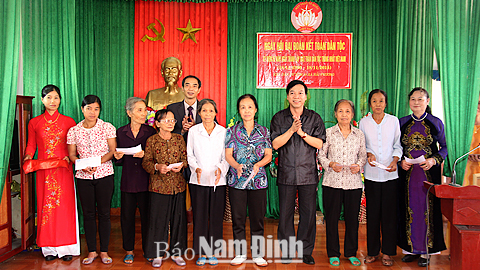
{"points": [[128, 259], [201, 261], [157, 262], [387, 261], [370, 259], [238, 260], [89, 260], [178, 260], [354, 260], [335, 261], [107, 260], [212, 261], [259, 261]]}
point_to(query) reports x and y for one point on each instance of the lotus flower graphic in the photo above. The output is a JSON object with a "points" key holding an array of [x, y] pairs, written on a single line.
{"points": [[306, 18]]}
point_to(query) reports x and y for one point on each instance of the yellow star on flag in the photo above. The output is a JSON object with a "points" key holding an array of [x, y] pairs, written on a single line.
{"points": [[189, 32]]}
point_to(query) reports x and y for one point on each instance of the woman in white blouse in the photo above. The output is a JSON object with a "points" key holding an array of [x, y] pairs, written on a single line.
{"points": [[342, 156], [206, 158], [382, 136]]}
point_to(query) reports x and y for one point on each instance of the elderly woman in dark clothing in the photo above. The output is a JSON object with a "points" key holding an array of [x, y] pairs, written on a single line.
{"points": [[420, 133], [165, 157], [134, 184]]}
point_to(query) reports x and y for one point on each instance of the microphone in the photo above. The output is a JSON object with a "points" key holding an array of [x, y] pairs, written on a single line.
{"points": [[454, 175]]}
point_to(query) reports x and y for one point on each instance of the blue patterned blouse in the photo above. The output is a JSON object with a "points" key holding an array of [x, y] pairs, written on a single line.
{"points": [[247, 150]]}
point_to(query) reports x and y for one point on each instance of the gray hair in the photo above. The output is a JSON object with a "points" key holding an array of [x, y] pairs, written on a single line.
{"points": [[344, 100], [174, 59], [130, 104], [205, 101]]}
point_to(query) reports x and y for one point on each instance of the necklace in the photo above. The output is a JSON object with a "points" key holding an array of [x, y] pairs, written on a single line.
{"points": [[419, 120], [50, 121]]}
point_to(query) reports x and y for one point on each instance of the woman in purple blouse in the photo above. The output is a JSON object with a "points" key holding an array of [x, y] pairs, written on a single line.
{"points": [[134, 184], [420, 133]]}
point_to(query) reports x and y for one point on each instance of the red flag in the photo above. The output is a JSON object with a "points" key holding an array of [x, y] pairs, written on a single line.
{"points": [[157, 23]]}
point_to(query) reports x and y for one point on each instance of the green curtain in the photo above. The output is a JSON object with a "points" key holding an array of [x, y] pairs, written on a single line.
{"points": [[456, 34], [414, 56], [49, 53], [9, 60], [104, 53], [83, 47], [373, 24]]}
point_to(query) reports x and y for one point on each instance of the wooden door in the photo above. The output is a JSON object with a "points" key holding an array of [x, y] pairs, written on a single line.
{"points": [[6, 218], [23, 115]]}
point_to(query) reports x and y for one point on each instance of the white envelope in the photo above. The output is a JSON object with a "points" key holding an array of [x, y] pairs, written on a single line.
{"points": [[131, 150], [171, 166], [417, 160], [379, 165], [248, 180], [83, 163]]}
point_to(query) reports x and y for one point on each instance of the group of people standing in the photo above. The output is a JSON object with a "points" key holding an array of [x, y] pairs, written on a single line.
{"points": [[188, 148], [399, 209]]}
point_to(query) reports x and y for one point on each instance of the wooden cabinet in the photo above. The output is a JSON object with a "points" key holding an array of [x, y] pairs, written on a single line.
{"points": [[9, 246]]}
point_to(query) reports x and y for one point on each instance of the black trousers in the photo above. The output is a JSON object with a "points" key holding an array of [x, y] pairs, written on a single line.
{"points": [[95, 197], [208, 207], [307, 203], [381, 215], [130, 201], [256, 200], [333, 199], [166, 211]]}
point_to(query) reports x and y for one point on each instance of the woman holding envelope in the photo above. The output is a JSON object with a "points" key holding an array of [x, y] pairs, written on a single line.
{"points": [[206, 158], [95, 139], [247, 149], [165, 157], [135, 180], [57, 229], [343, 155], [382, 136], [420, 133]]}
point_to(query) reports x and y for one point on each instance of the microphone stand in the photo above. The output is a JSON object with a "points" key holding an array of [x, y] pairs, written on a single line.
{"points": [[454, 175]]}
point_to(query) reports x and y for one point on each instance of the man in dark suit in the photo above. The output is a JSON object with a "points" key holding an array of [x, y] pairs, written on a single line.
{"points": [[185, 111], [186, 114]]}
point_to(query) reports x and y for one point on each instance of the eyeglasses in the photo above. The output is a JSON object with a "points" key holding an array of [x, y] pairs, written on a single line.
{"points": [[173, 121]]}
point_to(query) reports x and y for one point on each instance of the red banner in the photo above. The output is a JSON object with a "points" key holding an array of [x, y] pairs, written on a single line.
{"points": [[320, 60], [203, 53]]}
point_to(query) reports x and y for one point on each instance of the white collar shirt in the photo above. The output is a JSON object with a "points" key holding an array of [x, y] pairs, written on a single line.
{"points": [[194, 111], [207, 152], [382, 140]]}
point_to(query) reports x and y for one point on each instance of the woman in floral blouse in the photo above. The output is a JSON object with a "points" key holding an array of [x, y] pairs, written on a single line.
{"points": [[165, 157], [93, 137], [248, 149], [342, 156]]}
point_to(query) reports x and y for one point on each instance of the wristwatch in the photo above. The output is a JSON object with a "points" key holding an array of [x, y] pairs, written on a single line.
{"points": [[304, 135]]}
